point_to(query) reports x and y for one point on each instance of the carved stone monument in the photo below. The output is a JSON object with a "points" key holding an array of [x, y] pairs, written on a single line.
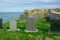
{"points": [[13, 25], [30, 26]]}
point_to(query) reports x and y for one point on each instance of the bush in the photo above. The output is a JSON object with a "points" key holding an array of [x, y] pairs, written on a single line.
{"points": [[43, 25], [6, 25], [20, 25]]}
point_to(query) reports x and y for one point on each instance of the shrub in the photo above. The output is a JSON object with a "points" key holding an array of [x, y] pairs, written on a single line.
{"points": [[43, 25], [20, 25]]}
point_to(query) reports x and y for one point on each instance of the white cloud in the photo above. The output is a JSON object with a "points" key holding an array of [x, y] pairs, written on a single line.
{"points": [[51, 6], [18, 5], [27, 1], [46, 0]]}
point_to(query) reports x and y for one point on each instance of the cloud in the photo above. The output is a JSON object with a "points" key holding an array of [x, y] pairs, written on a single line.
{"points": [[50, 0], [18, 5], [27, 1]]}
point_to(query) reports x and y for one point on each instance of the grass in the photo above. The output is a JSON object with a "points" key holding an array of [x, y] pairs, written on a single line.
{"points": [[22, 35], [17, 35]]}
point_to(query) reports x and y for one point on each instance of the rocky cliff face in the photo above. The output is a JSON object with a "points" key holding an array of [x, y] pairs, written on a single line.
{"points": [[40, 12], [55, 15]]}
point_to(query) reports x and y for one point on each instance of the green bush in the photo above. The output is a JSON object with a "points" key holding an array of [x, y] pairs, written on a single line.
{"points": [[6, 25], [43, 25], [20, 25]]}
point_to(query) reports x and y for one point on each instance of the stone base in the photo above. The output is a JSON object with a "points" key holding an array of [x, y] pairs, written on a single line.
{"points": [[31, 30], [13, 30]]}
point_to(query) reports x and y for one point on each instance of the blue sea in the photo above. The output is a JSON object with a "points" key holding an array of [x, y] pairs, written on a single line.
{"points": [[6, 16]]}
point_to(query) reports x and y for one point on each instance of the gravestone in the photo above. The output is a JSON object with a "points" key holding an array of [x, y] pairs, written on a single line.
{"points": [[55, 25], [1, 23], [22, 19], [13, 25], [30, 25], [37, 17], [49, 16]]}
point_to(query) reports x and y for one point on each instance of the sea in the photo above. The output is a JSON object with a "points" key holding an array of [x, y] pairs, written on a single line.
{"points": [[6, 16]]}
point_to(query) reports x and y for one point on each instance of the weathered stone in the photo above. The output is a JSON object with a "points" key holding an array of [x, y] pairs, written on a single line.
{"points": [[1, 23], [13, 25], [30, 26], [22, 18]]}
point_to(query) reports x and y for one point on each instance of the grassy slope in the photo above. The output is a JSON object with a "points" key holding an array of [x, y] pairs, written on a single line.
{"points": [[18, 35], [21, 35]]}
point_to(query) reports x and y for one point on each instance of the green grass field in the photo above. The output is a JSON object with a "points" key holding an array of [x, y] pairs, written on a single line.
{"points": [[21, 35], [41, 25]]}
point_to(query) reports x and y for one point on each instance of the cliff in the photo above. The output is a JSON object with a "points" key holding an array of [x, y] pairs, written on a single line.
{"points": [[40, 12]]}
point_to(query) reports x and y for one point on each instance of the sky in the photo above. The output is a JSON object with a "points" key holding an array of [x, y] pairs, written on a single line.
{"points": [[21, 5]]}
